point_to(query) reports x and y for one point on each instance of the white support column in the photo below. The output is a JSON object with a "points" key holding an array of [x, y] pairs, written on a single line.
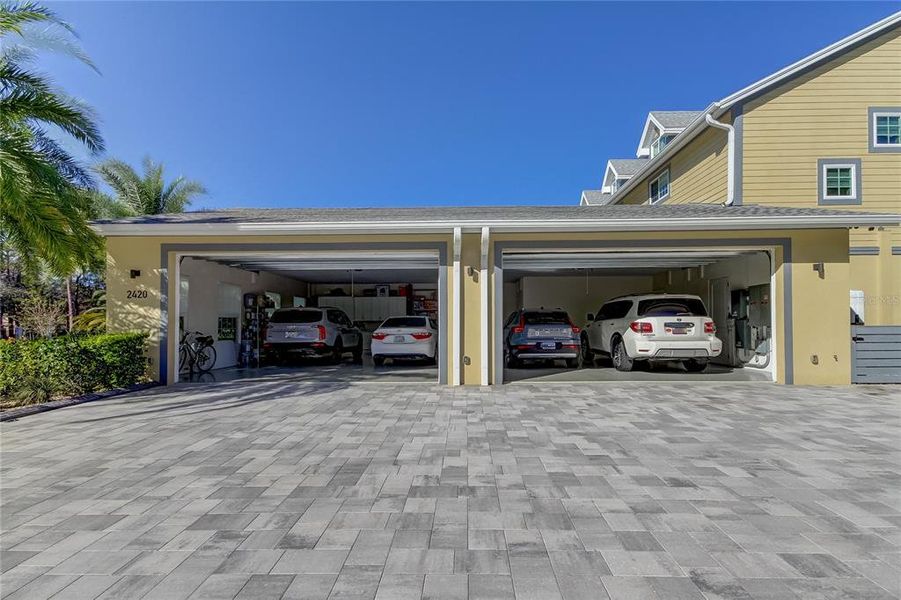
{"points": [[483, 289], [457, 351]]}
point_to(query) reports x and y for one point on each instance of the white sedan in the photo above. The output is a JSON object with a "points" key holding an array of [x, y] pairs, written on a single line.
{"points": [[405, 337]]}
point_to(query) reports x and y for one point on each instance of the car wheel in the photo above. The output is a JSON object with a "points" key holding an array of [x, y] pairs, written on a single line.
{"points": [[695, 365], [574, 363], [511, 362], [337, 352], [358, 354], [378, 360], [621, 360], [587, 354]]}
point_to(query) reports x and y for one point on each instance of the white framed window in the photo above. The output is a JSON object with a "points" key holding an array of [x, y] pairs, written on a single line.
{"points": [[660, 143], [838, 181], [884, 129], [658, 189], [183, 288]]}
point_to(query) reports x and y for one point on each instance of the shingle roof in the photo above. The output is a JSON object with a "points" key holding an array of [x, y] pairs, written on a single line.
{"points": [[675, 118], [626, 167], [596, 197], [476, 213]]}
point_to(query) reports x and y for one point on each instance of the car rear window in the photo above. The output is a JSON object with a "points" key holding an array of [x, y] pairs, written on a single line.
{"points": [[296, 316], [671, 307], [404, 322], [546, 318]]}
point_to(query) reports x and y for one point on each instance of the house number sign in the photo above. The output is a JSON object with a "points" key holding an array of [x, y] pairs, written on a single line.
{"points": [[135, 294]]}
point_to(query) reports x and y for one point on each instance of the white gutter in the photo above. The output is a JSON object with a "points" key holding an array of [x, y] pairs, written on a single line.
{"points": [[483, 289], [649, 222], [457, 363], [730, 149]]}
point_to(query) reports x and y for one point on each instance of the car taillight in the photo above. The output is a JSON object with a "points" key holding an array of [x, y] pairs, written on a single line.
{"points": [[421, 335], [641, 327], [522, 325], [575, 329], [709, 327], [378, 335], [321, 329]]}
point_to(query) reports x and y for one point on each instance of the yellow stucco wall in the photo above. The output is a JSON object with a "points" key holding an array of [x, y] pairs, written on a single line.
{"points": [[143, 253], [820, 323], [820, 314]]}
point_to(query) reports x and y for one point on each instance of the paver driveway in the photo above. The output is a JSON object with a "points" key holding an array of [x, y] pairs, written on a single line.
{"points": [[276, 489]]}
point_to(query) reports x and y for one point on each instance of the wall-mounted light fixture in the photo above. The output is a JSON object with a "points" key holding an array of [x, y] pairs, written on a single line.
{"points": [[135, 273], [821, 269]]}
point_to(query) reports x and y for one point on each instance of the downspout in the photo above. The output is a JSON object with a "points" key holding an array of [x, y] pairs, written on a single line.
{"points": [[458, 312], [483, 290], [730, 170]]}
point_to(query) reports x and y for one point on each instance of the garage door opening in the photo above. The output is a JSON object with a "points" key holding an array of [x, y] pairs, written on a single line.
{"points": [[669, 314], [313, 315]]}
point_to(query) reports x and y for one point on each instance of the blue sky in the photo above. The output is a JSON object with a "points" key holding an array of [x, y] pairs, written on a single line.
{"points": [[376, 104]]}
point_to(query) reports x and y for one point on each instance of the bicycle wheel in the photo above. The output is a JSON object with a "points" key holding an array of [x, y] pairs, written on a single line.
{"points": [[183, 365], [205, 359]]}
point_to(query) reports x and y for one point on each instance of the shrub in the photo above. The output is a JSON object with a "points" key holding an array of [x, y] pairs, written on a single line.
{"points": [[70, 365]]}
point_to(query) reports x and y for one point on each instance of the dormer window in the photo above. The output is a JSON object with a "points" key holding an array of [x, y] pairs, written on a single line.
{"points": [[660, 143], [618, 183]]}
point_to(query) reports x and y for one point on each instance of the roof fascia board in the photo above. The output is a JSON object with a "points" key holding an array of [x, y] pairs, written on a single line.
{"points": [[504, 225], [643, 143], [811, 61], [717, 109]]}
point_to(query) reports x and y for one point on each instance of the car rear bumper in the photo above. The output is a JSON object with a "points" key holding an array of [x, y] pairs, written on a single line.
{"points": [[300, 348], [424, 349], [548, 354], [673, 350]]}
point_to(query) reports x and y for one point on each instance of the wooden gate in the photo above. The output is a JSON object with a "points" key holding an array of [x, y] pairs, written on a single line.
{"points": [[875, 354]]}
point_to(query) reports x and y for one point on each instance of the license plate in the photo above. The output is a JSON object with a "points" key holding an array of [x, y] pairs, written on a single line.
{"points": [[549, 345], [399, 339], [293, 334], [677, 331]]}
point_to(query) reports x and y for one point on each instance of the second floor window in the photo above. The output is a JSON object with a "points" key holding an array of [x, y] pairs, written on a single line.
{"points": [[659, 188], [839, 182], [887, 129]]}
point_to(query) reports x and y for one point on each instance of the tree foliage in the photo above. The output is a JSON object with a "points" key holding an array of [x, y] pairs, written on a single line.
{"points": [[43, 205]]}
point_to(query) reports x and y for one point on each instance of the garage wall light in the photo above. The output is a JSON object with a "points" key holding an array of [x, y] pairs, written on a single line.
{"points": [[134, 273], [821, 269]]}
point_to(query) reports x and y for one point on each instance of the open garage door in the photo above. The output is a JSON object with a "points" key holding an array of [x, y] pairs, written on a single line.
{"points": [[311, 314], [635, 314]]}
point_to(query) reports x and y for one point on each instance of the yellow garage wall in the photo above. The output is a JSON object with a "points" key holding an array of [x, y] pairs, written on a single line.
{"points": [[697, 171], [143, 253], [879, 277], [820, 325]]}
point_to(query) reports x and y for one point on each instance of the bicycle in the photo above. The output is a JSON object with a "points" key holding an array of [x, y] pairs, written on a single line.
{"points": [[199, 353]]}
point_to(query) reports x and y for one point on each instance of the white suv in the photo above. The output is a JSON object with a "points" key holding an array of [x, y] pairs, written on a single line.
{"points": [[652, 327]]}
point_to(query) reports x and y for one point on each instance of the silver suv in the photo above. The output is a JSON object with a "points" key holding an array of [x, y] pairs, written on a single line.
{"points": [[323, 331]]}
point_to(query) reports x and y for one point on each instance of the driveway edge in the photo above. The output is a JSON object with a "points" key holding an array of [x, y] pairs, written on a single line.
{"points": [[24, 411]]}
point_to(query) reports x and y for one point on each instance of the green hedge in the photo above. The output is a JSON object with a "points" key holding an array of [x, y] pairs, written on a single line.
{"points": [[36, 370]]}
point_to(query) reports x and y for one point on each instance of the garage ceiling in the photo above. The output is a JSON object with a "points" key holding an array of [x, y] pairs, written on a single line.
{"points": [[517, 264], [340, 266]]}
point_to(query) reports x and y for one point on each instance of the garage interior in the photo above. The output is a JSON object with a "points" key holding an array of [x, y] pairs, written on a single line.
{"points": [[734, 283], [231, 296]]}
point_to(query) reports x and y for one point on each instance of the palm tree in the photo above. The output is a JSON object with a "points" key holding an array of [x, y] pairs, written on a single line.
{"points": [[42, 204], [148, 194]]}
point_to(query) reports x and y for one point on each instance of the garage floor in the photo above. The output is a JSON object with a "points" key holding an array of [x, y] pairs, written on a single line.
{"points": [[294, 489], [604, 372]]}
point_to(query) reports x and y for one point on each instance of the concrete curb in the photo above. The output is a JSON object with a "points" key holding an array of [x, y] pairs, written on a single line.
{"points": [[33, 409]]}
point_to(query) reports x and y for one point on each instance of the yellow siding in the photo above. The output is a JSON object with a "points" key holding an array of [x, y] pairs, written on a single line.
{"points": [[697, 172], [823, 114]]}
